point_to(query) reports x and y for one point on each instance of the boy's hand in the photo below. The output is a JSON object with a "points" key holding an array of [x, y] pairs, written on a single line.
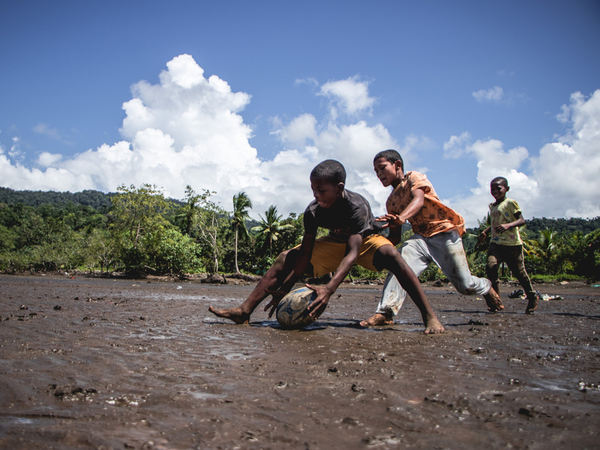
{"points": [[502, 228], [391, 219], [319, 304], [481, 237]]}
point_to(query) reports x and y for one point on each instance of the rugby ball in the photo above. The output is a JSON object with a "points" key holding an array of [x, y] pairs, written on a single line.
{"points": [[292, 312]]}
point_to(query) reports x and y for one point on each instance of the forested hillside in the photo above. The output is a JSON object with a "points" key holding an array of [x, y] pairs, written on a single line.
{"points": [[561, 226], [139, 231], [96, 199]]}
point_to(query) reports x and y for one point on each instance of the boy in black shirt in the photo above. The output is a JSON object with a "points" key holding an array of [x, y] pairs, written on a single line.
{"points": [[352, 240]]}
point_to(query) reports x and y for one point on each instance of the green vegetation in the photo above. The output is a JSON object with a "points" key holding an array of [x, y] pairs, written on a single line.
{"points": [[139, 232]]}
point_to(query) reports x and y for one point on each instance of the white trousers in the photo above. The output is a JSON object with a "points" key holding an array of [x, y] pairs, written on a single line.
{"points": [[444, 249]]}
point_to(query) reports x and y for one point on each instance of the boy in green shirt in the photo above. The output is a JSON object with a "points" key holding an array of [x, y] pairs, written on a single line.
{"points": [[506, 244]]}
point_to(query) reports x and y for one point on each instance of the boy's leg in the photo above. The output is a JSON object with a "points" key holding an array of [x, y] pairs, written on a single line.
{"points": [[275, 276], [516, 264], [492, 266], [492, 298], [387, 257], [413, 252], [448, 253]]}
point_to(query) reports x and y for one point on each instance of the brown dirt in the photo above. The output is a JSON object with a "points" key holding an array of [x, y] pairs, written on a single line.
{"points": [[96, 363]]}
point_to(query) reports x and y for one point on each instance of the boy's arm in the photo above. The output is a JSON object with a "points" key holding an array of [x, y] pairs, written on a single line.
{"points": [[319, 304], [395, 235], [507, 226], [415, 205], [295, 272], [483, 234]]}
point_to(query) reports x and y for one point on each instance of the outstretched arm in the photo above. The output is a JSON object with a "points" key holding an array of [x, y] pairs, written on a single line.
{"points": [[415, 205], [325, 292], [483, 234]]}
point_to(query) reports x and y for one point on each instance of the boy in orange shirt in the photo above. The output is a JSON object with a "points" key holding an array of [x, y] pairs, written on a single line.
{"points": [[352, 239], [437, 237]]}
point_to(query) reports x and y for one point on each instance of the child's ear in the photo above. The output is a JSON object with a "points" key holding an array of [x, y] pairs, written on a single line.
{"points": [[340, 187], [507, 188], [398, 166]]}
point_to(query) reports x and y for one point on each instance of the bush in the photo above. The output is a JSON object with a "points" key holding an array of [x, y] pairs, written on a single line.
{"points": [[432, 273], [176, 254], [360, 273], [555, 278]]}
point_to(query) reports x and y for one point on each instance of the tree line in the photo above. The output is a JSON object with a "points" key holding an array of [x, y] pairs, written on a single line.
{"points": [[138, 231]]}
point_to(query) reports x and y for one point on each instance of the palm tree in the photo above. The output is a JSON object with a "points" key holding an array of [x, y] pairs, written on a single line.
{"points": [[188, 212], [271, 226], [545, 249], [241, 204]]}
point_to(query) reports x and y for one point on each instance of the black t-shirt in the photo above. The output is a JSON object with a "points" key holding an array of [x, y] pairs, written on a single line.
{"points": [[350, 214]]}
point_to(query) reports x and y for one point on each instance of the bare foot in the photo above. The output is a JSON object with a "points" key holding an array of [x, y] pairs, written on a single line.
{"points": [[433, 326], [234, 314], [532, 305], [377, 320], [493, 301]]}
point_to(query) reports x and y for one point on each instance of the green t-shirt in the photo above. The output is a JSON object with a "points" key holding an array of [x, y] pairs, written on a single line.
{"points": [[506, 212]]}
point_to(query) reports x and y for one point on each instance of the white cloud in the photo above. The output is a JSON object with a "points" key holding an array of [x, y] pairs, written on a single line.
{"points": [[349, 96], [298, 131], [187, 130], [15, 150], [48, 159], [562, 180], [42, 128], [308, 81], [455, 146], [494, 94], [567, 170]]}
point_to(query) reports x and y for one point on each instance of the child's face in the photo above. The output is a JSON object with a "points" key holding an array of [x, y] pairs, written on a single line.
{"points": [[325, 192], [388, 173], [498, 190]]}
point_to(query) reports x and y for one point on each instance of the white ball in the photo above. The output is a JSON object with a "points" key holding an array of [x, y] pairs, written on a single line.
{"points": [[292, 312]]}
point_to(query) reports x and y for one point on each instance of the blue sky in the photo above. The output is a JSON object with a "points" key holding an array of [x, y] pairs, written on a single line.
{"points": [[248, 96]]}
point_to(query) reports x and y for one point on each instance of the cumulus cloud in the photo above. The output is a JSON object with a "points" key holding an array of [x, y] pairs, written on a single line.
{"points": [[187, 129], [562, 181], [47, 159], [567, 170], [494, 94], [349, 96]]}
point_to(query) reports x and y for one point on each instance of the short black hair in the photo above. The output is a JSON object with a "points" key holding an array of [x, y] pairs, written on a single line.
{"points": [[331, 170], [500, 180], [391, 155]]}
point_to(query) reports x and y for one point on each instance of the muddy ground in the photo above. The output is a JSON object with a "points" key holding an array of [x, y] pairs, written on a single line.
{"points": [[130, 364]]}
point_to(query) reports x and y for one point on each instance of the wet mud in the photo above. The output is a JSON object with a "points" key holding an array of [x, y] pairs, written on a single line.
{"points": [[129, 364]]}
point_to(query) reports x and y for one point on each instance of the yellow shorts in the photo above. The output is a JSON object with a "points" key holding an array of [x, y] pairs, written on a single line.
{"points": [[328, 253]]}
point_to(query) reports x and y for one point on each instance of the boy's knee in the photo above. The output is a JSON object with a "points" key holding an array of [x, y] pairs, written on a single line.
{"points": [[281, 258], [385, 257]]}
